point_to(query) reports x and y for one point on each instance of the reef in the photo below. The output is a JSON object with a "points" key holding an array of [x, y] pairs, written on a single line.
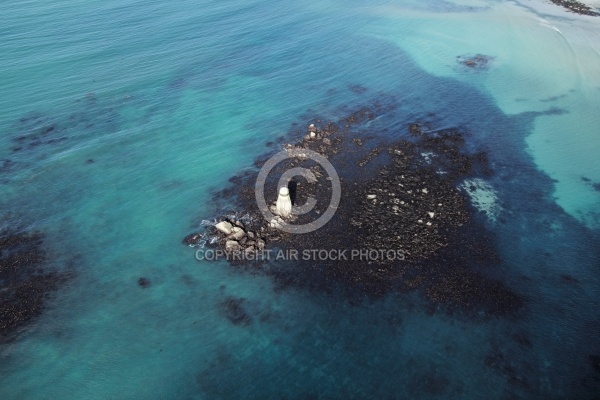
{"points": [[402, 211], [26, 280]]}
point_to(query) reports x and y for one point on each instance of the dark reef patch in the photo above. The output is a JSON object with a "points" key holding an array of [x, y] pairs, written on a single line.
{"points": [[595, 361], [144, 282], [522, 339], [233, 308], [37, 135], [26, 280], [35, 130], [594, 185]]}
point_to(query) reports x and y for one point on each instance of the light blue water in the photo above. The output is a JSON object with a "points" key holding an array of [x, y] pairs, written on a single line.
{"points": [[171, 99]]}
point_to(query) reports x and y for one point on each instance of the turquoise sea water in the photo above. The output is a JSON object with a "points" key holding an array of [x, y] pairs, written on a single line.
{"points": [[154, 105]]}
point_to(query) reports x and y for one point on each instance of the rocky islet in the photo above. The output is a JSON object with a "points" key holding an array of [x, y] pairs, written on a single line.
{"points": [[399, 196]]}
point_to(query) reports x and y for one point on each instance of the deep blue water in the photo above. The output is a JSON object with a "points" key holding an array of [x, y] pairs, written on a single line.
{"points": [[153, 106]]}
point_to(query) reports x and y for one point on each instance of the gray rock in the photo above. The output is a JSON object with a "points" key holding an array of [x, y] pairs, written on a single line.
{"points": [[232, 245], [224, 227], [237, 233]]}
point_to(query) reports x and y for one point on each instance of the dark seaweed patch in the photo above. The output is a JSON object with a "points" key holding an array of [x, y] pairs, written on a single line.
{"points": [[503, 366], [569, 279], [430, 384], [33, 131], [234, 310], [7, 165], [594, 185], [553, 98], [144, 282], [26, 282], [522, 339], [358, 89]]}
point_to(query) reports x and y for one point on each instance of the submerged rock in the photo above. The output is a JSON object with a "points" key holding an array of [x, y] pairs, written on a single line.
{"points": [[234, 310], [192, 239], [144, 282], [478, 61]]}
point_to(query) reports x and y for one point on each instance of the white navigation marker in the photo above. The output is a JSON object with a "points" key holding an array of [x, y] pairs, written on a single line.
{"points": [[284, 203]]}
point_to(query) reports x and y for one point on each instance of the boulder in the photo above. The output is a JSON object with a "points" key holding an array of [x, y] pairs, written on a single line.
{"points": [[237, 233], [224, 227], [232, 245]]}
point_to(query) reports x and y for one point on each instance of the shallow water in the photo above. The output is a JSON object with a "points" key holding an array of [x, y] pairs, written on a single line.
{"points": [[155, 105]]}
